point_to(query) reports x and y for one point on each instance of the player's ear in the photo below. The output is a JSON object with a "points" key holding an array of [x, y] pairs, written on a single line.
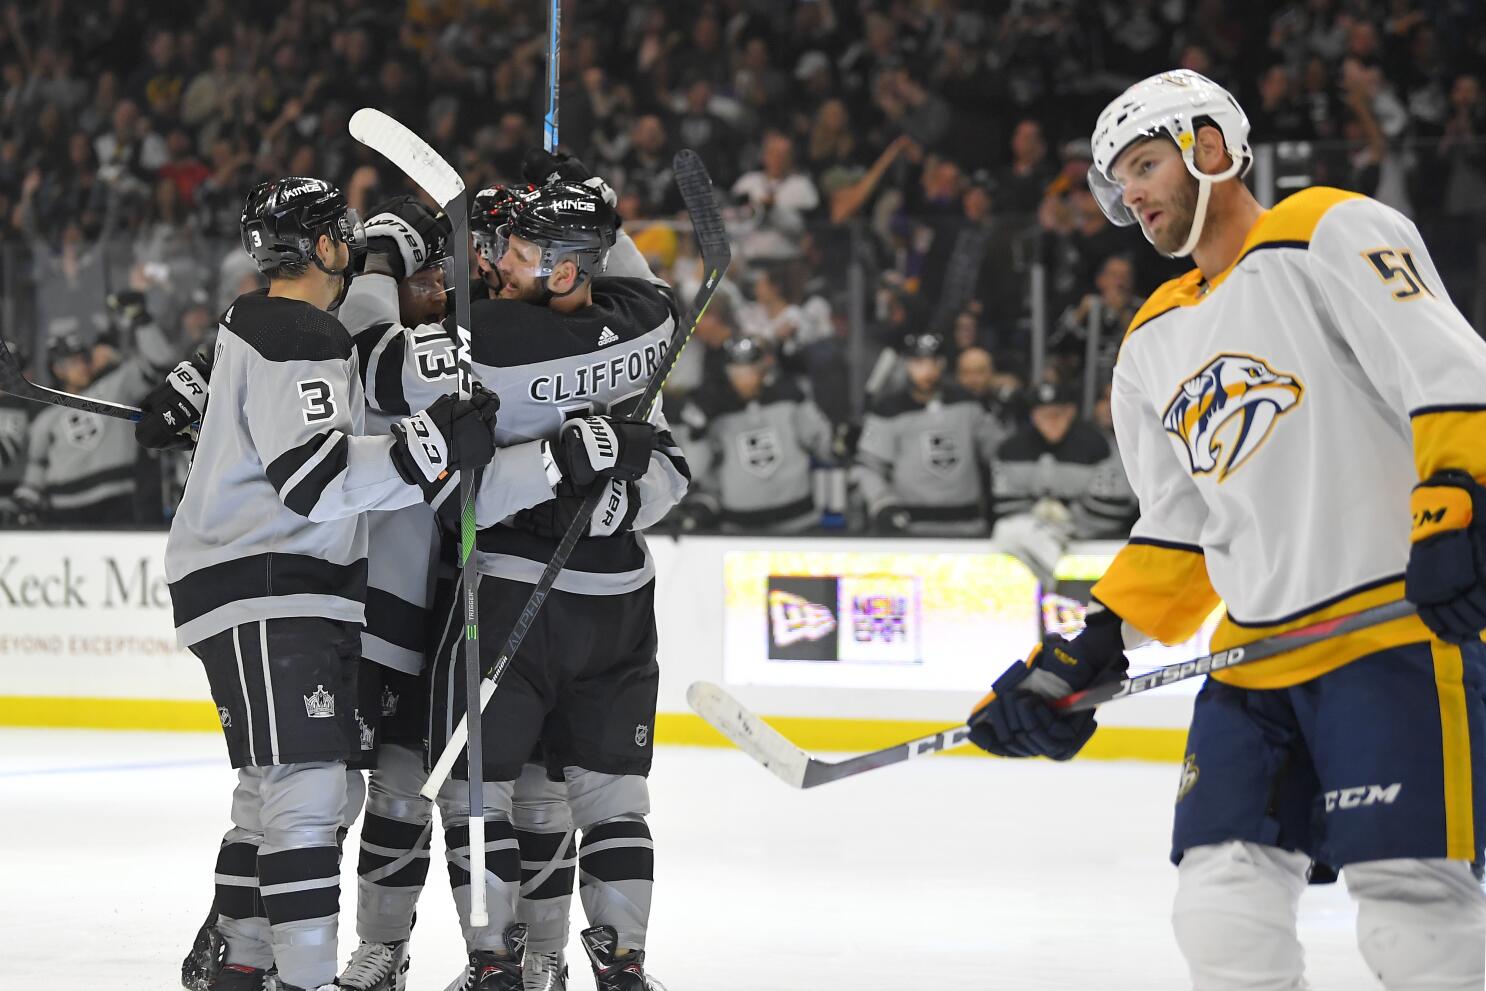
{"points": [[564, 275], [1210, 154]]}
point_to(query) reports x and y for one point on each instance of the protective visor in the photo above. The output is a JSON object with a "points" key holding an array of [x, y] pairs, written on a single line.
{"points": [[350, 231], [1109, 194]]}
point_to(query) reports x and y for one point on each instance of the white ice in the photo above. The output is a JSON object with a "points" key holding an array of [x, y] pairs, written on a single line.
{"points": [[940, 875]]}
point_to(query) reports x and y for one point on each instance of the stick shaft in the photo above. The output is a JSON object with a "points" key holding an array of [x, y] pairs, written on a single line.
{"points": [[554, 78]]}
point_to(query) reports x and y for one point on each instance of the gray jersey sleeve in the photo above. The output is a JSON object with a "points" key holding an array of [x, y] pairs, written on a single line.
{"points": [[814, 431], [664, 484], [877, 449], [299, 416], [515, 480], [38, 453]]}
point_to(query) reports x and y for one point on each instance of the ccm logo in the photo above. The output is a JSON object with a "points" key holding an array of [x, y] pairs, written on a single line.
{"points": [[1362, 796]]}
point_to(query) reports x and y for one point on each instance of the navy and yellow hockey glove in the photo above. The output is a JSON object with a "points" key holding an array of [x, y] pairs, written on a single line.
{"points": [[1446, 576], [1015, 720]]}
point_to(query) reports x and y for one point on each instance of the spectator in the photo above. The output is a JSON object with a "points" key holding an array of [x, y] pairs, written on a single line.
{"points": [[778, 197], [645, 170], [1112, 305], [974, 371], [1280, 114], [704, 132], [1022, 183]]}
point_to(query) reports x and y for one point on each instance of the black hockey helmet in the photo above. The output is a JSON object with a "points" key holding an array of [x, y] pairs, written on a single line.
{"points": [[565, 220], [492, 208], [283, 218], [744, 351], [62, 346], [923, 346]]}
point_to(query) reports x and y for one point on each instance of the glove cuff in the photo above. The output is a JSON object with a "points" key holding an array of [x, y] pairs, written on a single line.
{"points": [[1443, 503]]}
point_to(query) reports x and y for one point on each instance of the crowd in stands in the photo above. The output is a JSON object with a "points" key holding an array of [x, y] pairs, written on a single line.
{"points": [[892, 169]]}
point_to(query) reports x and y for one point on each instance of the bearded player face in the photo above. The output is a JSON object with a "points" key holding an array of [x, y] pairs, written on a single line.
{"points": [[1159, 190]]}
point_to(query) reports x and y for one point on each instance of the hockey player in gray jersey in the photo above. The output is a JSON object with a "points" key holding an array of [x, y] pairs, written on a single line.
{"points": [[923, 452], [757, 436], [267, 567], [80, 468], [578, 328]]}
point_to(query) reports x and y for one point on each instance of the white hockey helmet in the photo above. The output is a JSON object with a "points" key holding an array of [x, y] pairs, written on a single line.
{"points": [[1171, 105]]}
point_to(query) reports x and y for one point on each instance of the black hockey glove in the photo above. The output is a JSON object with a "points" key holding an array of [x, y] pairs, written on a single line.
{"points": [[614, 514], [404, 231], [593, 447], [449, 435], [27, 508], [173, 409], [1014, 720], [889, 518], [540, 167], [128, 310], [1446, 574]]}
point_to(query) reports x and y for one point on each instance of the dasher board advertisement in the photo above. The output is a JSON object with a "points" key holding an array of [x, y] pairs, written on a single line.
{"points": [[940, 621]]}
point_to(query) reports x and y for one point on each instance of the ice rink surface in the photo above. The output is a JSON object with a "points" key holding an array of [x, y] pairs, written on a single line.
{"points": [[941, 875]]}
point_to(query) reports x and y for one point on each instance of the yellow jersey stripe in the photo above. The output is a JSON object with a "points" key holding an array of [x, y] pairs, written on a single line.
{"points": [[1450, 437], [1455, 740], [1160, 589], [1311, 662]]}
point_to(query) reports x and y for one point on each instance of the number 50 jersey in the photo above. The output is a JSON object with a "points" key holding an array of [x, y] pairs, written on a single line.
{"points": [[1273, 422], [547, 367]]}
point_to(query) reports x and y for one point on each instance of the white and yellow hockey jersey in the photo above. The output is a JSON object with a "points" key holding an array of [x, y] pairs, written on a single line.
{"points": [[1273, 422]]}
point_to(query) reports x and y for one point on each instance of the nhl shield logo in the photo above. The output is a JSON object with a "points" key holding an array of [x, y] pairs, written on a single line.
{"points": [[759, 450], [224, 716], [642, 734], [941, 454]]}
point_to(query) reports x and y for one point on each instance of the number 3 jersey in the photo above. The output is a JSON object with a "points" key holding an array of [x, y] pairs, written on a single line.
{"points": [[547, 367], [271, 522], [1273, 422]]}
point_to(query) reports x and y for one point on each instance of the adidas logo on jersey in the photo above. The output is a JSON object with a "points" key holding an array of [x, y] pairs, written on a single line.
{"points": [[608, 337]]}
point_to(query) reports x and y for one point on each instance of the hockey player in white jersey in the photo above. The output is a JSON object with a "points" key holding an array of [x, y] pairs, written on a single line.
{"points": [[267, 566], [1284, 410]]}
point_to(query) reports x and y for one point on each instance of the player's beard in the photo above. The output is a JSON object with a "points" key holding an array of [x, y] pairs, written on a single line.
{"points": [[1180, 211], [533, 292]]}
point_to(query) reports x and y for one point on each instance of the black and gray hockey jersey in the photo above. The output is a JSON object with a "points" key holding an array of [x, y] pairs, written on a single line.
{"points": [[76, 461], [927, 459], [548, 366], [755, 459], [272, 523], [1082, 471]]}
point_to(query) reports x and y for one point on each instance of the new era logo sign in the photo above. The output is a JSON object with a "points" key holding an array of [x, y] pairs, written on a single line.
{"points": [[608, 337]]}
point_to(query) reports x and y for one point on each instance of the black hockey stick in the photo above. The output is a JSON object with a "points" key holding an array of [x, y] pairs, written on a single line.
{"points": [[799, 769], [706, 222], [439, 180], [15, 383]]}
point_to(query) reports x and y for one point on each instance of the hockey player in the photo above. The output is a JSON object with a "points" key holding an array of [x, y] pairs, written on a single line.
{"points": [[924, 451], [578, 328], [80, 468], [756, 436], [267, 567], [1283, 409]]}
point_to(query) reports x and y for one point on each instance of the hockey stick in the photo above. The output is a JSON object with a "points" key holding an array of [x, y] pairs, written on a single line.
{"points": [[799, 769], [438, 179], [15, 383], [554, 57], [706, 222]]}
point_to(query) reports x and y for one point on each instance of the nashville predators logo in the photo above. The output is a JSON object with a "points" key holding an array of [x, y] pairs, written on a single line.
{"points": [[1236, 396]]}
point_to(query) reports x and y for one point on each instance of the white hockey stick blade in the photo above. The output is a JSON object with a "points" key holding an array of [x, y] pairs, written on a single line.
{"points": [[408, 152], [749, 733]]}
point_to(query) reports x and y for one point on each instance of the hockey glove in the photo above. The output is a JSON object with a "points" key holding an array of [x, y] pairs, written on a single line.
{"points": [[889, 518], [615, 512], [449, 435], [594, 447], [1446, 574], [128, 309], [1014, 720], [173, 409], [541, 167], [28, 507], [405, 232]]}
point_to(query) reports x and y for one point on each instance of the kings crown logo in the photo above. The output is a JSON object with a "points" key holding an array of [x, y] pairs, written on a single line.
{"points": [[1237, 396], [368, 733], [320, 704], [389, 702]]}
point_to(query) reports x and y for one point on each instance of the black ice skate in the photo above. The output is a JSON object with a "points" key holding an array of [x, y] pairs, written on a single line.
{"points": [[239, 977], [612, 972], [377, 967], [207, 954], [490, 971]]}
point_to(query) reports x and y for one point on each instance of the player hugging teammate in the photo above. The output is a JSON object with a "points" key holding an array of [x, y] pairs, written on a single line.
{"points": [[1283, 410], [584, 316]]}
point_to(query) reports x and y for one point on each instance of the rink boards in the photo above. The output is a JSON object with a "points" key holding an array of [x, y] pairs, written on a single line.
{"points": [[846, 643]]}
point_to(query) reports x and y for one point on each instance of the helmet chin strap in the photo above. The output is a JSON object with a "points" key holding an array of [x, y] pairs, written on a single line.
{"points": [[1204, 195], [344, 274]]}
